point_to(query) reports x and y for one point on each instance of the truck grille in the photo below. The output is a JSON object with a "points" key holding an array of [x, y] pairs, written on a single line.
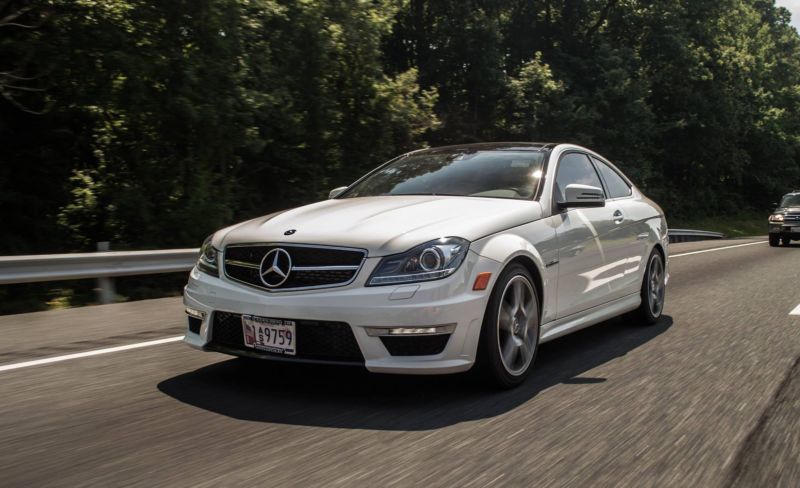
{"points": [[317, 340], [791, 218], [311, 266]]}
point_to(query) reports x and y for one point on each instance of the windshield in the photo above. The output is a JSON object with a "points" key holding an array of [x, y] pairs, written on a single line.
{"points": [[497, 174], [791, 200]]}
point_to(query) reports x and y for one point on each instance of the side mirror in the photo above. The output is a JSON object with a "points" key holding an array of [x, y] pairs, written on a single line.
{"points": [[776, 204], [576, 195], [336, 191]]}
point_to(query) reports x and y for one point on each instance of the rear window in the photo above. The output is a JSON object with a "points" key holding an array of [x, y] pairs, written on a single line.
{"points": [[616, 186]]}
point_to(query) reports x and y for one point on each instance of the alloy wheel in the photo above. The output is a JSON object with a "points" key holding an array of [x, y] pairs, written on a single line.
{"points": [[517, 325], [656, 287]]}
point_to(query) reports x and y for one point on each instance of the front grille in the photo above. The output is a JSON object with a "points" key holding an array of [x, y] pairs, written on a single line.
{"points": [[425, 345], [312, 266], [791, 218], [316, 339]]}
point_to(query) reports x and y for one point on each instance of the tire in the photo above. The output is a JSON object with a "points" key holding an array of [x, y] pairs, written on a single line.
{"points": [[653, 289], [774, 240], [510, 332], [786, 241]]}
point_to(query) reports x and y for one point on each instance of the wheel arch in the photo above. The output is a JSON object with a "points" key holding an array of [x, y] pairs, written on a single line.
{"points": [[508, 249], [658, 247]]}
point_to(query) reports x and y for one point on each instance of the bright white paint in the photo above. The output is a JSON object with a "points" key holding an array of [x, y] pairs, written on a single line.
{"points": [[717, 249], [591, 261], [796, 311], [96, 352], [384, 225]]}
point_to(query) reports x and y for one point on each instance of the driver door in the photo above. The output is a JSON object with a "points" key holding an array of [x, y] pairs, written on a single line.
{"points": [[584, 238]]}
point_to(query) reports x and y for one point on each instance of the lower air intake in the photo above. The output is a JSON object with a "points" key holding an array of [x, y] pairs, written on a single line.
{"points": [[424, 345], [317, 340]]}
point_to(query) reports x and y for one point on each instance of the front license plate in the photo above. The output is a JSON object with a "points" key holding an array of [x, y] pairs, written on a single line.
{"points": [[273, 335], [795, 229]]}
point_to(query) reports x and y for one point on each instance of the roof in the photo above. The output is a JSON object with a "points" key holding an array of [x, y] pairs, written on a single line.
{"points": [[492, 146]]}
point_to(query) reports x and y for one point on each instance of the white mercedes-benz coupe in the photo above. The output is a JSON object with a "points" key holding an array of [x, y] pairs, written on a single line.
{"points": [[437, 260]]}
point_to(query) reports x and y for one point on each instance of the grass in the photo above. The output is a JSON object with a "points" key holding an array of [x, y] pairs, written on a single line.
{"points": [[743, 225]]}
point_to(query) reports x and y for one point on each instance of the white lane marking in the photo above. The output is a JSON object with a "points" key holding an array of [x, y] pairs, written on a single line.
{"points": [[96, 352], [716, 249], [796, 311]]}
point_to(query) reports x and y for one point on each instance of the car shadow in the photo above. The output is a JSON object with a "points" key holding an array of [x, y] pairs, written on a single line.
{"points": [[346, 397]]}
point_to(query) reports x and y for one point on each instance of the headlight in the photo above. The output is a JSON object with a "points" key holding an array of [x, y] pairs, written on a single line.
{"points": [[430, 261], [776, 218], [207, 262]]}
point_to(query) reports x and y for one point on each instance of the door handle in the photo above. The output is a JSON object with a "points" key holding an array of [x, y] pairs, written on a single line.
{"points": [[618, 217]]}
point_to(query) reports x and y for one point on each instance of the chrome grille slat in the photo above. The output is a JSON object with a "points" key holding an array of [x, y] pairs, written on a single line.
{"points": [[323, 268], [243, 264]]}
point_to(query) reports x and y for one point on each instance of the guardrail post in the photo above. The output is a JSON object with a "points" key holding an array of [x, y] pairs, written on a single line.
{"points": [[105, 285]]}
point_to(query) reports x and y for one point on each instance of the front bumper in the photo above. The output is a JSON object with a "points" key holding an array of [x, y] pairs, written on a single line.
{"points": [[450, 304], [790, 230]]}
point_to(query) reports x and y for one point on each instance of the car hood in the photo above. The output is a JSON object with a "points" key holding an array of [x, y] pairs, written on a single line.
{"points": [[384, 225], [787, 210]]}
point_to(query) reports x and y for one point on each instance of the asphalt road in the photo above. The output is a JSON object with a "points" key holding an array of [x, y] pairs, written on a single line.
{"points": [[709, 396]]}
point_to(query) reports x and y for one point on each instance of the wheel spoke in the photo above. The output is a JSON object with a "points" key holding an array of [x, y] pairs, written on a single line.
{"points": [[509, 351], [530, 310], [525, 351], [519, 294], [506, 317]]}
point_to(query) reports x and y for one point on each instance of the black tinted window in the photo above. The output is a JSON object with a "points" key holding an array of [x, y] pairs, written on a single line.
{"points": [[498, 174], [616, 186], [575, 168]]}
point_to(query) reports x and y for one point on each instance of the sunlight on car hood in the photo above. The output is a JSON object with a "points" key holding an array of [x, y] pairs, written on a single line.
{"points": [[385, 225]]}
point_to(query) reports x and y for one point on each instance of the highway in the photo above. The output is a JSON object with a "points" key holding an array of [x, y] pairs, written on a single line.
{"points": [[709, 396]]}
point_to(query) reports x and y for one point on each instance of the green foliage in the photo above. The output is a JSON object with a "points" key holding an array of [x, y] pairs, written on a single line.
{"points": [[184, 116], [531, 97], [150, 124]]}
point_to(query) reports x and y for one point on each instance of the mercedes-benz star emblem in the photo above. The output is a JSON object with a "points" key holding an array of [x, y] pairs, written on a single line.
{"points": [[275, 268]]}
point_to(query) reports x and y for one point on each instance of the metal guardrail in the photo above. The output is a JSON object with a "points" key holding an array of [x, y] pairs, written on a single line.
{"points": [[54, 267], [688, 235], [105, 265]]}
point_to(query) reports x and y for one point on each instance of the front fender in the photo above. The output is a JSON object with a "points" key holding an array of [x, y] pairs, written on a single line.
{"points": [[543, 250], [505, 247]]}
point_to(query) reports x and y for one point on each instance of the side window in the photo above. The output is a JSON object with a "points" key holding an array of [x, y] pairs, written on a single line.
{"points": [[575, 168], [617, 187]]}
